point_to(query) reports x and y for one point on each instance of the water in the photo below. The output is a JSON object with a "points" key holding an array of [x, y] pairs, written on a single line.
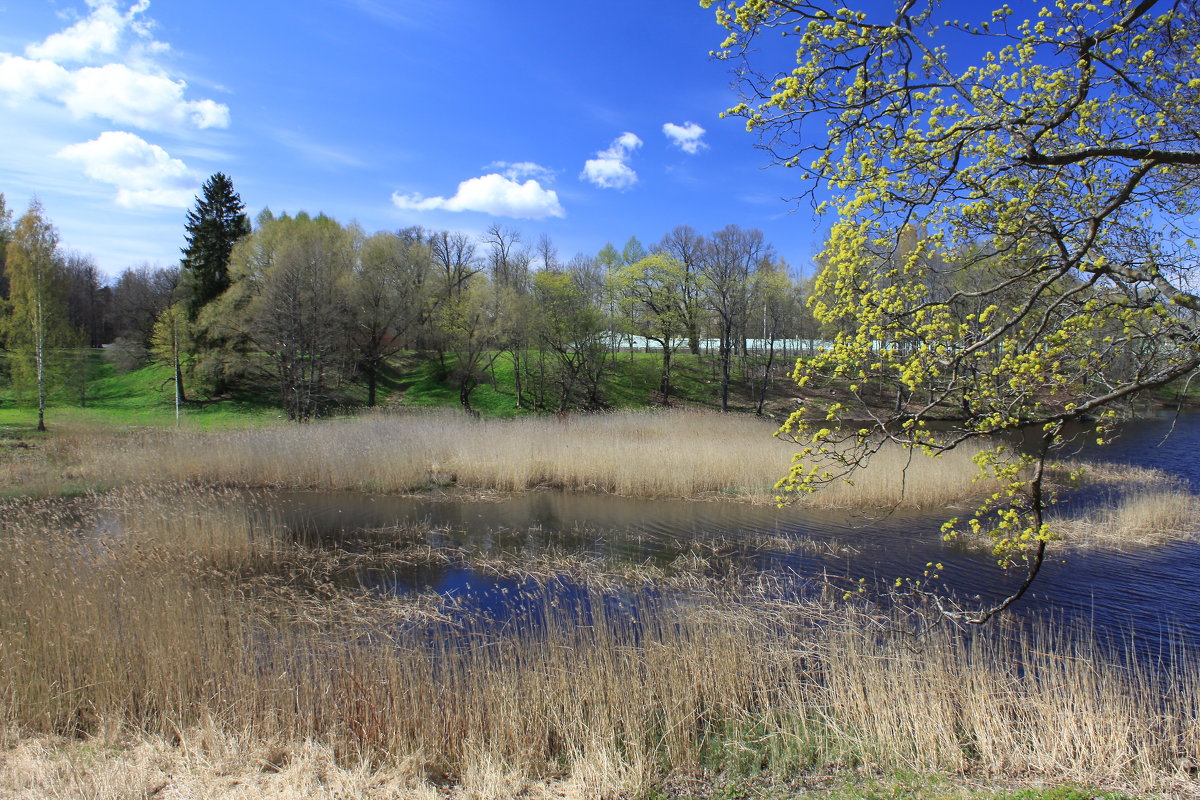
{"points": [[1149, 590], [528, 537]]}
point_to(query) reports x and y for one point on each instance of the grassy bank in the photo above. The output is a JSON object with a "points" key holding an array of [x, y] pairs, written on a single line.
{"points": [[214, 640]]}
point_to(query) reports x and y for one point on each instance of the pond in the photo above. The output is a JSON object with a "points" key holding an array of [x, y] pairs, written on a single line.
{"points": [[1144, 593]]}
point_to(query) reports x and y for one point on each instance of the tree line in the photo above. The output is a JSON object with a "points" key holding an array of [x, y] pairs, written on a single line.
{"points": [[307, 307]]}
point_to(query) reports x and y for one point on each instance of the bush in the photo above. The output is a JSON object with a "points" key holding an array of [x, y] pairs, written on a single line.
{"points": [[126, 354]]}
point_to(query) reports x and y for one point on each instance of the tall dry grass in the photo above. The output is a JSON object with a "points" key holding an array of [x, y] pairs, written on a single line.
{"points": [[649, 454], [150, 634], [1143, 516]]}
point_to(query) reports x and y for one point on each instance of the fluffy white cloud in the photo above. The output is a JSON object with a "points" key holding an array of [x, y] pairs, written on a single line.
{"points": [[492, 194], [610, 168], [687, 137], [99, 34], [143, 173], [121, 83]]}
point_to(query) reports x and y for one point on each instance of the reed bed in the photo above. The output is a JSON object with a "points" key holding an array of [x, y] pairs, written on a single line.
{"points": [[150, 634], [647, 454], [1143, 516]]}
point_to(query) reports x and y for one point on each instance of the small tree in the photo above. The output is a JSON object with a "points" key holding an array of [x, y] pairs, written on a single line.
{"points": [[387, 291], [468, 322], [650, 293], [571, 328], [289, 301], [169, 345], [731, 257], [213, 227], [38, 322]]}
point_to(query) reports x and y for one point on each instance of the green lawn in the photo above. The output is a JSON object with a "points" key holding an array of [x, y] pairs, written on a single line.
{"points": [[145, 396], [142, 397]]}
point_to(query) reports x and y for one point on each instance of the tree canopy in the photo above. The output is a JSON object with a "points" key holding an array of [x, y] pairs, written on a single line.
{"points": [[37, 324], [213, 227], [1015, 202]]}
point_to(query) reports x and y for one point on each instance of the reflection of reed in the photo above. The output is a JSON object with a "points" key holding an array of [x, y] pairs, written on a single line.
{"points": [[156, 631]]}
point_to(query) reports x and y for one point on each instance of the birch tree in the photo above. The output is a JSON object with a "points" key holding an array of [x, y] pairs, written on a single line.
{"points": [[37, 293]]}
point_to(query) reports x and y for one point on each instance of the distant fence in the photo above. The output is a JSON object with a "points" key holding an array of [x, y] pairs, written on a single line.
{"points": [[783, 347]]}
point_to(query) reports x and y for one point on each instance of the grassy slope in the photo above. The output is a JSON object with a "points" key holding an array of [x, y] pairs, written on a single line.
{"points": [[632, 383], [143, 397]]}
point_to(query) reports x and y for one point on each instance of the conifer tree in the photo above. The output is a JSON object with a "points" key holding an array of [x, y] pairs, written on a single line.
{"points": [[214, 226]]}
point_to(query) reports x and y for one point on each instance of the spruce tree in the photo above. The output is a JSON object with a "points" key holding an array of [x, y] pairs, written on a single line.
{"points": [[214, 226]]}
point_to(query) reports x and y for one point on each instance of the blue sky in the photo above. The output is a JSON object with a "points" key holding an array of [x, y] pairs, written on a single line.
{"points": [[588, 122]]}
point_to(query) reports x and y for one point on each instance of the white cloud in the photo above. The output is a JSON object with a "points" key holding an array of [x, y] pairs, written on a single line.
{"points": [[517, 170], [120, 83], [687, 137], [610, 168], [143, 173], [492, 194], [97, 35]]}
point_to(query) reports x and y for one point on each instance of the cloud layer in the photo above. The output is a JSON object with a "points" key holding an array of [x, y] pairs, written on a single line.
{"points": [[687, 137], [143, 173], [610, 168], [493, 194]]}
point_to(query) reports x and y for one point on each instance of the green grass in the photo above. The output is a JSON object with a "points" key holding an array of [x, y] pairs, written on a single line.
{"points": [[632, 382], [139, 398], [144, 397]]}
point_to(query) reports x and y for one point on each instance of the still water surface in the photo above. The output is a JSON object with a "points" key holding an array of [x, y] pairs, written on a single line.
{"points": [[1150, 591]]}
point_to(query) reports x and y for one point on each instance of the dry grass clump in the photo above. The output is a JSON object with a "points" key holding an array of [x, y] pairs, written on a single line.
{"points": [[1141, 517], [647, 454], [135, 636]]}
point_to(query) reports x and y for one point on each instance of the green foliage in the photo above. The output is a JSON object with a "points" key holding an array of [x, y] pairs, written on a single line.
{"points": [[5, 237], [1053, 165], [213, 227], [37, 330], [289, 304], [573, 331], [652, 300]]}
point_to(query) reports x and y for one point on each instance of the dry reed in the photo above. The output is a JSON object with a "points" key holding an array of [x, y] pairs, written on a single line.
{"points": [[648, 454], [1141, 517], [141, 634]]}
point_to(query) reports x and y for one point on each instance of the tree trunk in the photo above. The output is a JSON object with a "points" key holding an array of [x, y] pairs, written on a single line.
{"points": [[372, 381], [762, 396], [693, 336], [664, 385], [39, 350], [516, 361], [726, 357]]}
